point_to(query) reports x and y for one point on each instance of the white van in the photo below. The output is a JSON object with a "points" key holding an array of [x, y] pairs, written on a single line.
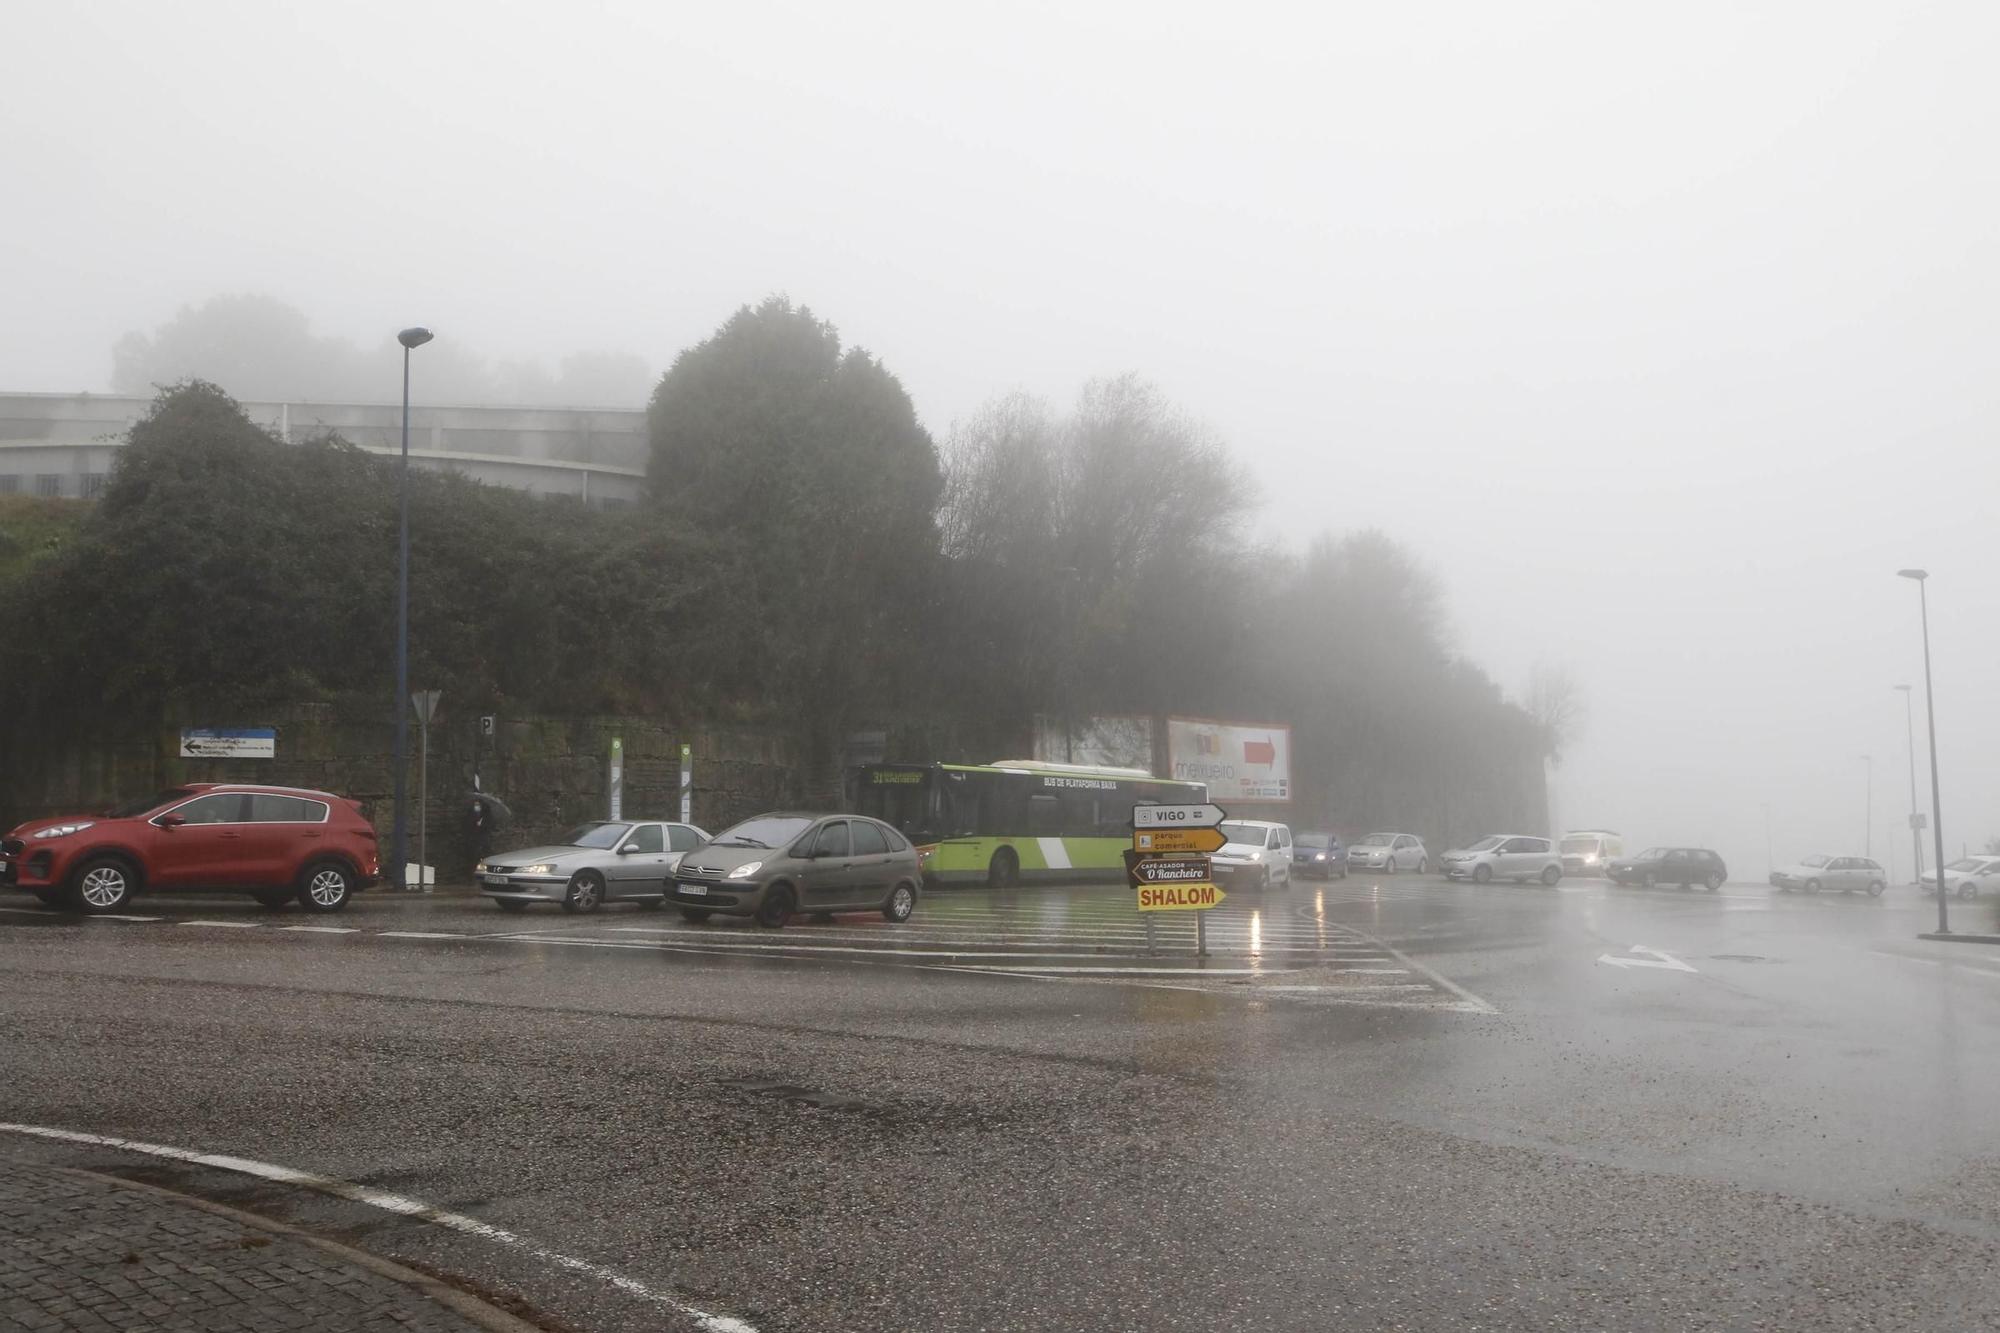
{"points": [[1590, 851], [1257, 855]]}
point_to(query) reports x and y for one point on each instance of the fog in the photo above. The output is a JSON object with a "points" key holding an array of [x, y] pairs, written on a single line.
{"points": [[1664, 337]]}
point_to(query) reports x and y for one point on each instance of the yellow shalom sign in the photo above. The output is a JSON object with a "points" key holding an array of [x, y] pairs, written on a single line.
{"points": [[1179, 897]]}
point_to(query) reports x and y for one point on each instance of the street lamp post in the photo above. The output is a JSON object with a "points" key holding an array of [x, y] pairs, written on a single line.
{"points": [[399, 839], [1910, 734], [1868, 824], [1922, 578]]}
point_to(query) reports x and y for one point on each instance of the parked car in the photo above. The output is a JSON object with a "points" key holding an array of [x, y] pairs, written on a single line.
{"points": [[1389, 853], [1966, 876], [1845, 873], [606, 860], [1685, 866], [1319, 855], [1257, 855], [280, 844], [1516, 856], [774, 865], [1590, 851]]}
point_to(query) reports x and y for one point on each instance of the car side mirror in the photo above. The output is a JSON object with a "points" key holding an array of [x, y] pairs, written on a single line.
{"points": [[170, 821], [628, 849]]}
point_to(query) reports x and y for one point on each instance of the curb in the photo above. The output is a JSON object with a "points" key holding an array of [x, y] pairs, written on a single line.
{"points": [[1958, 938], [459, 1301]]}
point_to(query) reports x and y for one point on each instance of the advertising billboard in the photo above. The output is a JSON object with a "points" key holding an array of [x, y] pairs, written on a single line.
{"points": [[1240, 761]]}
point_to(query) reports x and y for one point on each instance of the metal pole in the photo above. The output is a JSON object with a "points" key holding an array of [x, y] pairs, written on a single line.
{"points": [[1910, 736], [399, 839], [1201, 934], [423, 805], [1930, 718], [1868, 830]]}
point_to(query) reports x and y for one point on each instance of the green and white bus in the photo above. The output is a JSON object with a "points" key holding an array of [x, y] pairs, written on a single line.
{"points": [[1017, 819]]}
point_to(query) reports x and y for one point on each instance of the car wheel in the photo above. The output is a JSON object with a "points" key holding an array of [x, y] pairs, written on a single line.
{"points": [[586, 892], [1812, 886], [276, 898], [1550, 875], [1714, 882], [1648, 880], [1004, 870], [1423, 865], [1343, 872], [694, 916], [1389, 865], [325, 887], [511, 904], [777, 907], [1264, 879], [1482, 873], [1965, 890], [1875, 887], [103, 884], [902, 902]]}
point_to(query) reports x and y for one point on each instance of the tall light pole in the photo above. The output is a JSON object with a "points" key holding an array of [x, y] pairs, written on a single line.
{"points": [[1868, 824], [1922, 578], [1910, 732], [399, 840]]}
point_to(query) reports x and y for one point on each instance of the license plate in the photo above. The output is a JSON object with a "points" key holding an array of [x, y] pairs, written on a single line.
{"points": [[494, 879], [695, 890]]}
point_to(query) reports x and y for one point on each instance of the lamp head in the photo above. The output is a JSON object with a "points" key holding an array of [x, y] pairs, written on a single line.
{"points": [[415, 337], [1918, 574]]}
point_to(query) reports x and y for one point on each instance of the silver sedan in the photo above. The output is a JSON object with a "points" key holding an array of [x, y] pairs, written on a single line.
{"points": [[592, 864], [1389, 852]]}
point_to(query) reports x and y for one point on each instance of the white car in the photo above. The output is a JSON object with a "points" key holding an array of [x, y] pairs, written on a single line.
{"points": [[1966, 877], [603, 861], [1389, 853], [1257, 854], [1844, 873], [1516, 856]]}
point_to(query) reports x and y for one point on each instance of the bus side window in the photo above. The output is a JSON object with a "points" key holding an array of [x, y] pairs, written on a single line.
{"points": [[1044, 817]]}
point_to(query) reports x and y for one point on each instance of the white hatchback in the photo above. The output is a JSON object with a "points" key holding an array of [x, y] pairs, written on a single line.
{"points": [[1516, 856]]}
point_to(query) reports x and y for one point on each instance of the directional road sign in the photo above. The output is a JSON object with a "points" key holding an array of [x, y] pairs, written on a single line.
{"points": [[1177, 816], [1179, 897], [1170, 870], [1151, 842]]}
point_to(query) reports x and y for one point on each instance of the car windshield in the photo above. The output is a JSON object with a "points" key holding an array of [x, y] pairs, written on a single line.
{"points": [[1813, 862], [1312, 841], [1249, 835], [764, 831], [133, 809], [1651, 854], [1376, 840], [1968, 863], [598, 834], [1485, 844]]}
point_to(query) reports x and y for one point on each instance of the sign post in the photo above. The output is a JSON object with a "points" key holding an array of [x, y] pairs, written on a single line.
{"points": [[687, 783], [425, 702], [1168, 865], [615, 786]]}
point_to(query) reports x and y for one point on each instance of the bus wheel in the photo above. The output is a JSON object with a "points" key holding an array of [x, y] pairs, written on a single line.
{"points": [[1004, 872]]}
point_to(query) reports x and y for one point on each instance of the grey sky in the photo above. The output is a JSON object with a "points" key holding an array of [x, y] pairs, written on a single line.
{"points": [[1664, 333]]}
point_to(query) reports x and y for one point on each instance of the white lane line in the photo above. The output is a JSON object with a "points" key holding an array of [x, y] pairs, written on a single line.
{"points": [[1188, 971], [101, 916], [696, 945], [400, 1204], [1473, 1002], [419, 935], [224, 925], [325, 930]]}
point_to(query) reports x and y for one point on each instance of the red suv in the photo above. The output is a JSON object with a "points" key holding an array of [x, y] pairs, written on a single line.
{"points": [[280, 843]]}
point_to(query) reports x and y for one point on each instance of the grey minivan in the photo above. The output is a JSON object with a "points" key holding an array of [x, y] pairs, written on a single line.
{"points": [[774, 865]]}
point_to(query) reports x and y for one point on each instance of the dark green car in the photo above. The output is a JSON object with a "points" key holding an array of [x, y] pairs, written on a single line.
{"points": [[774, 866]]}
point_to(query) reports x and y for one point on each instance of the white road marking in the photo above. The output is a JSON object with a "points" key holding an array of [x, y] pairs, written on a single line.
{"points": [[325, 930], [1656, 958], [419, 935], [1472, 1002], [225, 925], [402, 1205], [101, 916]]}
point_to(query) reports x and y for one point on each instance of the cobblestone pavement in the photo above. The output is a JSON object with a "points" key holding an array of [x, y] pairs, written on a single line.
{"points": [[79, 1251]]}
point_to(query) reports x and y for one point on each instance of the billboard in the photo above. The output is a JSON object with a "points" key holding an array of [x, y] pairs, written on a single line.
{"points": [[1240, 761], [229, 742]]}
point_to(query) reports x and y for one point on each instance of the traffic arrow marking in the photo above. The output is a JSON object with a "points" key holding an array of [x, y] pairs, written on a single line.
{"points": [[1658, 958]]}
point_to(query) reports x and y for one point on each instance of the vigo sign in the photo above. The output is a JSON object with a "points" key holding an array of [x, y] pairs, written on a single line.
{"points": [[1177, 816]]}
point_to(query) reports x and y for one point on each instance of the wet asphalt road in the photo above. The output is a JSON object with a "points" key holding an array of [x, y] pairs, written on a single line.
{"points": [[1386, 1103]]}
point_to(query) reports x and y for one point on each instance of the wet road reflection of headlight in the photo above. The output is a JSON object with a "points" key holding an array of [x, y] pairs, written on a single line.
{"points": [[1256, 932]]}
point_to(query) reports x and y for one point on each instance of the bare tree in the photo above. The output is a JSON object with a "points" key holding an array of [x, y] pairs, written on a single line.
{"points": [[1555, 702]]}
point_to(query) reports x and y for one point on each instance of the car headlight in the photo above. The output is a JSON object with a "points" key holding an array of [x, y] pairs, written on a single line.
{"points": [[62, 830], [746, 870], [543, 869], [480, 868], [1319, 856]]}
